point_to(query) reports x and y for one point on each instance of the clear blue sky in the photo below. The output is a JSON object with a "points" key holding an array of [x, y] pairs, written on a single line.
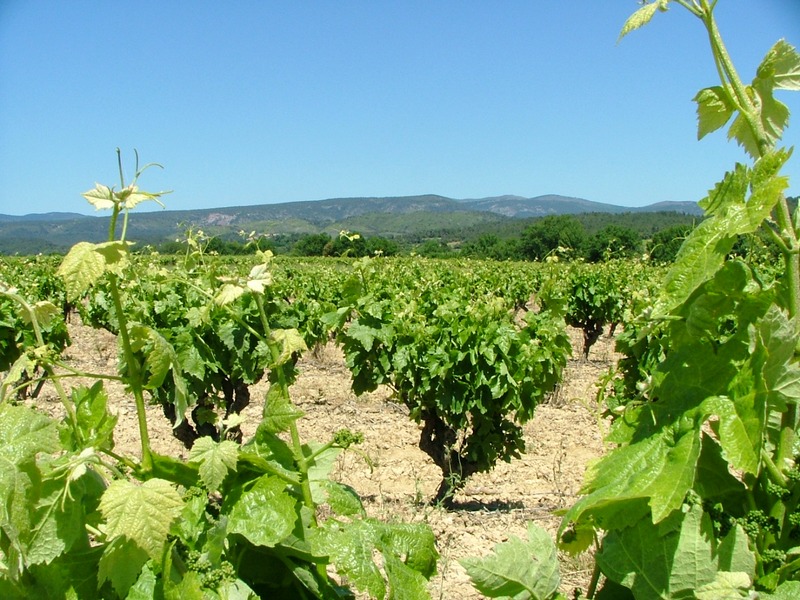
{"points": [[254, 102]]}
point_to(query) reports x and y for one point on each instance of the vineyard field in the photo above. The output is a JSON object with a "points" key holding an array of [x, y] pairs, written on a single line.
{"points": [[563, 436]]}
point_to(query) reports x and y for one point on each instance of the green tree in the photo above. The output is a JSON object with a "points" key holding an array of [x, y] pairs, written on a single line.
{"points": [[381, 245], [665, 244], [552, 232], [433, 249], [613, 241], [347, 244], [311, 245]]}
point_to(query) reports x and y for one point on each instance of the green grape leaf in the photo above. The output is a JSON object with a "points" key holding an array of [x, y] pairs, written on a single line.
{"points": [[657, 564], [714, 109], [265, 514], [215, 460], [788, 590], [414, 542], [343, 499], [59, 523], [523, 570], [160, 359], [781, 374], [350, 547], [228, 293], [95, 422], [142, 513], [85, 263], [741, 131], [71, 576], [643, 16], [121, 564], [101, 197], [44, 311], [734, 553], [259, 278], [81, 267], [704, 251], [290, 343], [726, 586], [115, 255], [658, 470], [364, 334], [130, 196], [781, 67], [319, 468], [279, 412], [739, 435], [24, 433], [404, 582], [145, 586]]}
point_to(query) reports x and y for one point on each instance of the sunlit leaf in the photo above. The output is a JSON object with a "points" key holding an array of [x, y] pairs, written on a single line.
{"points": [[101, 197], [643, 16], [714, 109], [781, 67], [264, 514], [142, 513], [81, 267], [216, 460], [520, 569]]}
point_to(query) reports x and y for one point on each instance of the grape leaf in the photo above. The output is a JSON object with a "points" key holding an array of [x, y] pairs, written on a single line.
{"points": [[704, 251], [350, 547], [265, 514], [59, 524], [781, 67], [523, 570], [101, 197], [121, 564], [24, 433], [290, 343], [404, 582], [279, 412], [658, 564], [142, 513], [714, 109], [643, 16], [216, 460], [95, 422], [658, 469], [81, 267]]}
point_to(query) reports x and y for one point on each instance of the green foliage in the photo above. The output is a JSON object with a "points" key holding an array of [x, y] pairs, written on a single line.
{"points": [[665, 244], [561, 234], [520, 569], [78, 520], [613, 241], [311, 245], [454, 355], [699, 497]]}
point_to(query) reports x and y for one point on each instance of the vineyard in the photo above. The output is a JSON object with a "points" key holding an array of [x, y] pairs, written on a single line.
{"points": [[188, 426]]}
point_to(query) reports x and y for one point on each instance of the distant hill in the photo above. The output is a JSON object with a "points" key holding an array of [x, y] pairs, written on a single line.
{"points": [[51, 216], [389, 216]]}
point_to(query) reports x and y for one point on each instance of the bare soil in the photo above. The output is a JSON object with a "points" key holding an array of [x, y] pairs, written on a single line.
{"points": [[564, 436]]}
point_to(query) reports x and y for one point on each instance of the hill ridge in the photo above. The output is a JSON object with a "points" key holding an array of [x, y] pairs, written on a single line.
{"points": [[372, 215]]}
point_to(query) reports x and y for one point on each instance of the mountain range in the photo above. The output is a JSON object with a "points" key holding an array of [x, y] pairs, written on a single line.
{"points": [[384, 216]]}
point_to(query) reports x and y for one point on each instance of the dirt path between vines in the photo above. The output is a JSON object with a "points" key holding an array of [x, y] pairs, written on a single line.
{"points": [[563, 437]]}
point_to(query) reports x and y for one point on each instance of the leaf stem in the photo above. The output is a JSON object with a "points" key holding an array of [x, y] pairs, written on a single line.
{"points": [[134, 379], [730, 78]]}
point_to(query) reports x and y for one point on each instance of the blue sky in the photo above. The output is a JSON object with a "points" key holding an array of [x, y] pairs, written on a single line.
{"points": [[254, 102]]}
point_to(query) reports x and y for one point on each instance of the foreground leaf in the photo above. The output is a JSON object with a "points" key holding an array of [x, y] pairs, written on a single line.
{"points": [[265, 514], [142, 513], [658, 564], [216, 460], [518, 569]]}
